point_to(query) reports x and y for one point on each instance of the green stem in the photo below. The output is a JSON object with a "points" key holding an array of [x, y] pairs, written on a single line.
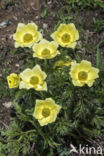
{"points": [[33, 130], [45, 63], [98, 53], [38, 130]]}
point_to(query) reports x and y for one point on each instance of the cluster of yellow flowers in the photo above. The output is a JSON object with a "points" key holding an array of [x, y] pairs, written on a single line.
{"points": [[81, 73]]}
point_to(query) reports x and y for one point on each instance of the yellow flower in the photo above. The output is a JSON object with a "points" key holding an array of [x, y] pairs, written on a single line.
{"points": [[66, 35], [26, 35], [33, 78], [13, 80], [59, 64], [83, 73], [45, 49], [46, 111]]}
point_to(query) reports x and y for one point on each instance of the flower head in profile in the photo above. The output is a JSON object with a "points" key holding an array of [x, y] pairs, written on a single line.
{"points": [[26, 35], [66, 35], [33, 78], [46, 111], [45, 49], [83, 73], [13, 80], [61, 63]]}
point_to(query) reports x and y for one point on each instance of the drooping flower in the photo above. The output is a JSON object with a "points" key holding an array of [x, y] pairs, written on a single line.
{"points": [[26, 35], [46, 111], [13, 80], [45, 49], [33, 78], [83, 73], [66, 35], [61, 63]]}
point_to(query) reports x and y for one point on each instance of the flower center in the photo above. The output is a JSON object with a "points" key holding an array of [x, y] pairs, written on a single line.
{"points": [[9, 81], [46, 112], [82, 76], [45, 52], [27, 38], [34, 80], [65, 38], [14, 80]]}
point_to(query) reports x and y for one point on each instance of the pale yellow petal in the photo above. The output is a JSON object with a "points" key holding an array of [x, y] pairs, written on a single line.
{"points": [[85, 66], [44, 41], [37, 49], [73, 31], [40, 37], [71, 26], [72, 45], [62, 28], [93, 74], [44, 121], [32, 28], [32, 25], [18, 36], [53, 36], [90, 83], [38, 111], [20, 27], [26, 75], [51, 103], [74, 71], [78, 83], [77, 35], [37, 70], [24, 85], [41, 87], [54, 43], [17, 44]]}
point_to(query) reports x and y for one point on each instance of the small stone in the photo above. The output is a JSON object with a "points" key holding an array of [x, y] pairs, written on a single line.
{"points": [[15, 18], [7, 104], [3, 24], [11, 36], [49, 2], [17, 65], [45, 26], [37, 17]]}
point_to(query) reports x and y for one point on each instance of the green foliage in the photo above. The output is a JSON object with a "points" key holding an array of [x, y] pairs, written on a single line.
{"points": [[1, 145], [63, 151], [98, 25], [98, 53], [82, 4], [45, 13]]}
